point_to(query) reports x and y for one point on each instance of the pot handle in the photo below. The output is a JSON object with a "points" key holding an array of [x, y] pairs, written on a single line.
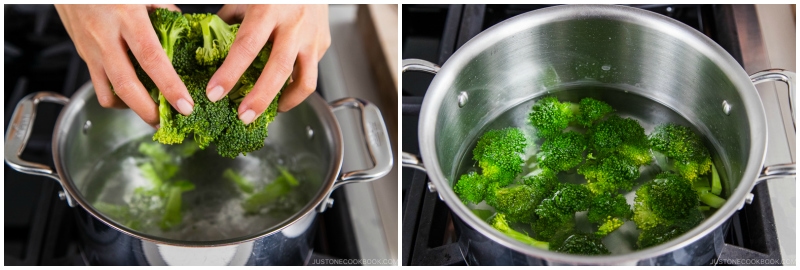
{"points": [[377, 140], [413, 161], [420, 65], [19, 131], [787, 77]]}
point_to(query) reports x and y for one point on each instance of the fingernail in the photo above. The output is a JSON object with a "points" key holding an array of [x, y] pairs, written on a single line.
{"points": [[157, 126], [248, 116], [215, 94], [184, 107]]}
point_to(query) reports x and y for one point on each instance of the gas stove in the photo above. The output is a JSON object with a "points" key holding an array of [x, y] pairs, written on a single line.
{"points": [[760, 233], [40, 229]]}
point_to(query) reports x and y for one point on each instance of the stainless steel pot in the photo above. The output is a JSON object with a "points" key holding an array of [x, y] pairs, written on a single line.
{"points": [[651, 56], [86, 132]]}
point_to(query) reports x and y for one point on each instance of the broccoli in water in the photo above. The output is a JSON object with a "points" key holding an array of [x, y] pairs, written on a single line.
{"points": [[550, 116], [562, 151], [620, 136], [609, 174], [592, 110], [557, 210], [498, 154], [272, 192], [690, 157], [197, 44], [610, 211], [570, 241], [499, 223], [668, 203]]}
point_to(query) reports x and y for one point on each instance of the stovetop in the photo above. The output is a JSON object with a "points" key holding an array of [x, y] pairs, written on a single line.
{"points": [[39, 227], [435, 32]]}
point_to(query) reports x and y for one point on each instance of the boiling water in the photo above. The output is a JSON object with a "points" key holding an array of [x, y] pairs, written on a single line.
{"points": [[649, 114], [213, 210]]}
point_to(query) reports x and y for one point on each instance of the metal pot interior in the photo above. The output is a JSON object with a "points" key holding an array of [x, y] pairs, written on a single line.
{"points": [[645, 65], [97, 159]]}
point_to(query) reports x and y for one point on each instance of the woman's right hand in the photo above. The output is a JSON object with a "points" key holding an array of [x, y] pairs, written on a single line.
{"points": [[103, 34]]}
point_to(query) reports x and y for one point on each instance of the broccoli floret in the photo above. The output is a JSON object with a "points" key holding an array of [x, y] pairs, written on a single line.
{"points": [[217, 39], [570, 241], [172, 211], [550, 116], [691, 157], [610, 211], [498, 153], [667, 231], [499, 223], [208, 119], [562, 151], [663, 201], [592, 110], [517, 202], [545, 180], [171, 27], [620, 136], [557, 210], [609, 174], [169, 132], [196, 44], [471, 187]]}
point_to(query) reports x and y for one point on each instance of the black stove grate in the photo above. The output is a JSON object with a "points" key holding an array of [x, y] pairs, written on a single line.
{"points": [[435, 32], [39, 228]]}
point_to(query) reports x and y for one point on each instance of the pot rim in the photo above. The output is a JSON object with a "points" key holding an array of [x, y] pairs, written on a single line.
{"points": [[87, 93], [437, 90]]}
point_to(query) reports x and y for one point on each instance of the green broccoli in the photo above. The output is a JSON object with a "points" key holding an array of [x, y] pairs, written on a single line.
{"points": [[663, 201], [550, 116], [572, 242], [557, 210], [274, 191], [498, 153], [499, 223], [621, 136], [667, 231], [172, 211], [691, 158], [562, 151], [609, 174], [591, 111], [610, 211], [242, 183], [217, 39], [471, 187], [197, 44], [518, 202]]}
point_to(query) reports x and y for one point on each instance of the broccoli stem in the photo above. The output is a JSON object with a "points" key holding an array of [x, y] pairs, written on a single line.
{"points": [[172, 212], [716, 183], [704, 208], [240, 181], [527, 239], [709, 198]]}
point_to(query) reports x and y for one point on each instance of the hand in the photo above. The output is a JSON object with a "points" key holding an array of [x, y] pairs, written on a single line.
{"points": [[300, 36], [102, 35]]}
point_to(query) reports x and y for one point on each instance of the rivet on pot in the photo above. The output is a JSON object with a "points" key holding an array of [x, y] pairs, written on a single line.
{"points": [[431, 187], [87, 126], [749, 198], [329, 202], [309, 132], [62, 195], [726, 107], [462, 99]]}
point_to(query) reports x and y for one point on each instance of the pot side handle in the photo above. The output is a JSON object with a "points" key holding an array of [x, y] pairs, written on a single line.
{"points": [[787, 77], [377, 141], [19, 130], [420, 65]]}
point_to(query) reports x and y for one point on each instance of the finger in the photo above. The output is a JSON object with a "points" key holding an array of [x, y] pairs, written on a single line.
{"points": [[105, 96], [154, 61], [128, 87], [251, 37], [305, 83], [170, 7], [230, 13], [278, 68]]}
